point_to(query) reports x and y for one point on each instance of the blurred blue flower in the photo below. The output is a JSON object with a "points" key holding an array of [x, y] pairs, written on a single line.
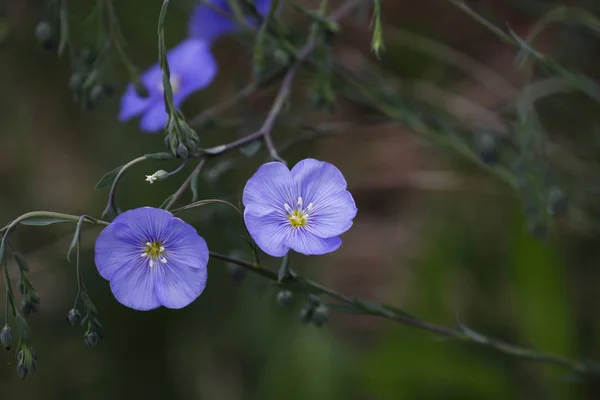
{"points": [[305, 209], [152, 259], [208, 25], [192, 67]]}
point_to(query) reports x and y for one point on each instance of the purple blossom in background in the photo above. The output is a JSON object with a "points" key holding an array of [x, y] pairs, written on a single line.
{"points": [[192, 67], [305, 209], [208, 25], [152, 259]]}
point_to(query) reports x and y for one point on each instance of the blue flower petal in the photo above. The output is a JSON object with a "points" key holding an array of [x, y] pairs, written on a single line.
{"points": [[318, 180], [173, 277], [186, 247], [132, 105], [195, 66], [133, 285], [304, 242], [270, 187], [269, 231], [207, 24], [155, 118], [178, 285], [115, 245], [332, 215]]}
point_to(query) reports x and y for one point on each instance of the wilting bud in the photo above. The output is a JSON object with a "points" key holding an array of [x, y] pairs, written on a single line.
{"points": [[74, 317], [158, 176], [320, 315], [284, 298], [6, 337], [91, 339], [557, 202]]}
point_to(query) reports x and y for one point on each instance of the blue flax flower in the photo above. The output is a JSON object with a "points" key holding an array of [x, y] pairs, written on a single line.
{"points": [[305, 209], [152, 259], [208, 25], [192, 67]]}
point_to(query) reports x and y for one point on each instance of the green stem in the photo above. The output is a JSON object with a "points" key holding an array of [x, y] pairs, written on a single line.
{"points": [[399, 316]]}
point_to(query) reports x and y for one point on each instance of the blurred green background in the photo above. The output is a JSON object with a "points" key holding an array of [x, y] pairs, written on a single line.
{"points": [[438, 238]]}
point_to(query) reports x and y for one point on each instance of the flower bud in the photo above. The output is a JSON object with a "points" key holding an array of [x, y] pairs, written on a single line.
{"points": [[306, 314], [21, 370], [158, 176], [76, 81], [74, 317], [6, 337], [284, 298], [320, 315], [182, 151], [91, 339], [236, 272], [45, 34]]}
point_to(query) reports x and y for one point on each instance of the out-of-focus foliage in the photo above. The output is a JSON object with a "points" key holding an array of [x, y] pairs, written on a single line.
{"points": [[434, 234]]}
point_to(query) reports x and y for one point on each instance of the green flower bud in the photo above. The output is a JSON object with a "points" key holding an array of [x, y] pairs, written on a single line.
{"points": [[158, 176]]}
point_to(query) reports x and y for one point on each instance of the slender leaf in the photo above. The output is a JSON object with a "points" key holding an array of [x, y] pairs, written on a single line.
{"points": [[44, 221], [107, 180], [194, 184]]}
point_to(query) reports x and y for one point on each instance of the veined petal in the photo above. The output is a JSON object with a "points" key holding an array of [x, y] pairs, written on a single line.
{"points": [[114, 247], [133, 285], [150, 224], [178, 285], [332, 215], [317, 180], [304, 242], [269, 231], [270, 187], [185, 246]]}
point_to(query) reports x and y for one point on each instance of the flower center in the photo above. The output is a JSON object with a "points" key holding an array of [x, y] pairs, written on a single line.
{"points": [[298, 216], [154, 251], [175, 84]]}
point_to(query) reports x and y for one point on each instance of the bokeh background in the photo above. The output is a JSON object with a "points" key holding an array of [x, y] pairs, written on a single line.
{"points": [[434, 235]]}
